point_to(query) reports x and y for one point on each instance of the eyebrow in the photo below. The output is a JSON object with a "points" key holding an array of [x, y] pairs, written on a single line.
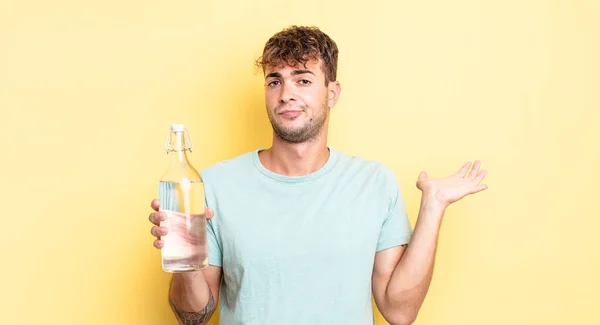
{"points": [[294, 73]]}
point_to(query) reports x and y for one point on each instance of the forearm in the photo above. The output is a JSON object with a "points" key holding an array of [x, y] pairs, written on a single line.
{"points": [[191, 299], [410, 280]]}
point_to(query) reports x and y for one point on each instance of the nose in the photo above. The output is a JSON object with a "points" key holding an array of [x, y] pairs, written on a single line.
{"points": [[287, 93]]}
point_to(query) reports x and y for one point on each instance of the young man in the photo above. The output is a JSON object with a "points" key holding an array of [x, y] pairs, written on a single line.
{"points": [[302, 233]]}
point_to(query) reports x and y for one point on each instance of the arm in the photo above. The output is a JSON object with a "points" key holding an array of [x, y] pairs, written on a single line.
{"points": [[402, 275], [193, 296]]}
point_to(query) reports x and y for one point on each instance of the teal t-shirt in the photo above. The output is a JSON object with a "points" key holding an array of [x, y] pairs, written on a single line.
{"points": [[300, 250]]}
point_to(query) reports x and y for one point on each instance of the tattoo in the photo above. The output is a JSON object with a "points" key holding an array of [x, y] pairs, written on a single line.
{"points": [[195, 318]]}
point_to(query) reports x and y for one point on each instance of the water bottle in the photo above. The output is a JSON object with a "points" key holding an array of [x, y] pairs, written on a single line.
{"points": [[181, 195]]}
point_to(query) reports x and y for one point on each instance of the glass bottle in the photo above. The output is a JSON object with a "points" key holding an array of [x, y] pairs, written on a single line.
{"points": [[181, 196]]}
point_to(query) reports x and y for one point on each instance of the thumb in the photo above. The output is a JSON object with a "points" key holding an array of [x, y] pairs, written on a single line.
{"points": [[209, 213], [423, 175]]}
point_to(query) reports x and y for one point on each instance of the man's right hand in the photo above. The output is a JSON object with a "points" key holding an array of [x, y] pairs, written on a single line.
{"points": [[157, 216], [193, 296]]}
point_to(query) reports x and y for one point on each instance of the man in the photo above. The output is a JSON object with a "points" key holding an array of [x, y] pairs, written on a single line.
{"points": [[302, 233]]}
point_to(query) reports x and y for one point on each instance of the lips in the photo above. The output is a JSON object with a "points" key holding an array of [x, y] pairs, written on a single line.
{"points": [[290, 113]]}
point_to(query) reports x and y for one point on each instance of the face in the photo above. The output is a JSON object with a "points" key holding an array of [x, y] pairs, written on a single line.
{"points": [[298, 101]]}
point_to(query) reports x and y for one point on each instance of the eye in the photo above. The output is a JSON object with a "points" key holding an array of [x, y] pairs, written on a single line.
{"points": [[304, 81], [273, 83]]}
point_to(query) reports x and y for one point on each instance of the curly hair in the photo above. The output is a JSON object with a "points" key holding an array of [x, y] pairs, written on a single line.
{"points": [[299, 45]]}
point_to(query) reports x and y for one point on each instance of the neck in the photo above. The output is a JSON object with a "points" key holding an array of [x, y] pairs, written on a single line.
{"points": [[179, 148], [296, 159]]}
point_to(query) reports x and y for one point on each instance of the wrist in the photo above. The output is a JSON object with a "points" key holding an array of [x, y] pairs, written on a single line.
{"points": [[187, 276], [186, 281], [433, 204], [186, 287]]}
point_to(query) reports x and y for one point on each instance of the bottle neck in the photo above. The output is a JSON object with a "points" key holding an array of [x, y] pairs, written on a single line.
{"points": [[178, 148]]}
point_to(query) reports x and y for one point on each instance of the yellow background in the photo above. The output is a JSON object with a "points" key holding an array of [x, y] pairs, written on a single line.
{"points": [[88, 90]]}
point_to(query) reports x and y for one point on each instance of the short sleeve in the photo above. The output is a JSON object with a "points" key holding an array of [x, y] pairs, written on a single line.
{"points": [[213, 239], [395, 229], [215, 254]]}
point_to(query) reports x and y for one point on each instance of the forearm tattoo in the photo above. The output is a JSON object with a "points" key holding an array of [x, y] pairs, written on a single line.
{"points": [[195, 318]]}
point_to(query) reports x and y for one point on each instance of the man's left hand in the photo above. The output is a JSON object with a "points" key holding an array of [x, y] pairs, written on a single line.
{"points": [[454, 187]]}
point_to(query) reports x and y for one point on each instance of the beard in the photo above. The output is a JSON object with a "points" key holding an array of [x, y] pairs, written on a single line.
{"points": [[299, 134]]}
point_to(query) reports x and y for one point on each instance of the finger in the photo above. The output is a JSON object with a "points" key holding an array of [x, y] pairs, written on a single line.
{"points": [[155, 204], [463, 170], [159, 243], [158, 231], [157, 217], [209, 213], [479, 188], [477, 179], [475, 169], [151, 218]]}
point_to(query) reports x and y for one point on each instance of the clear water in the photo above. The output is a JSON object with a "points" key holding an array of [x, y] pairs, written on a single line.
{"points": [[185, 247]]}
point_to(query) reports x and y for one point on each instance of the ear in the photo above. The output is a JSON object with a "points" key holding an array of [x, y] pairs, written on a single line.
{"points": [[333, 93]]}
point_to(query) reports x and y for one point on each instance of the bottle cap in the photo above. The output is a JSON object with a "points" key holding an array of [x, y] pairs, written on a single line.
{"points": [[177, 127]]}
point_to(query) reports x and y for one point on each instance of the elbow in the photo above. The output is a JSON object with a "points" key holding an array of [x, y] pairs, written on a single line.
{"points": [[403, 321], [402, 318], [400, 311]]}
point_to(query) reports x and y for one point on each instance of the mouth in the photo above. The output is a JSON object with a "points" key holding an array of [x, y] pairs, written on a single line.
{"points": [[290, 113]]}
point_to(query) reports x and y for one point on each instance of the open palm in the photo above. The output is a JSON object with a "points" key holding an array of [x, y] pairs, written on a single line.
{"points": [[454, 187]]}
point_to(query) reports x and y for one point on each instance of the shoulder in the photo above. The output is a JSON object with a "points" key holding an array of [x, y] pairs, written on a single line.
{"points": [[369, 176], [360, 166], [229, 167]]}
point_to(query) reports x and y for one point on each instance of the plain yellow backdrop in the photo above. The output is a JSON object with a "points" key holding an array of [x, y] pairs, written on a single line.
{"points": [[88, 90]]}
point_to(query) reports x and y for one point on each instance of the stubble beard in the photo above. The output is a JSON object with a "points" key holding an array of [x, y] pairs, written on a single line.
{"points": [[305, 133]]}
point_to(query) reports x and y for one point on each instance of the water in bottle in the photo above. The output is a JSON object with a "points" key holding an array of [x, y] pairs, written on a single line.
{"points": [[181, 196]]}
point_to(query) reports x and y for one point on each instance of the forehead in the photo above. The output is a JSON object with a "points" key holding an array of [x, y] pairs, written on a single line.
{"points": [[285, 69]]}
